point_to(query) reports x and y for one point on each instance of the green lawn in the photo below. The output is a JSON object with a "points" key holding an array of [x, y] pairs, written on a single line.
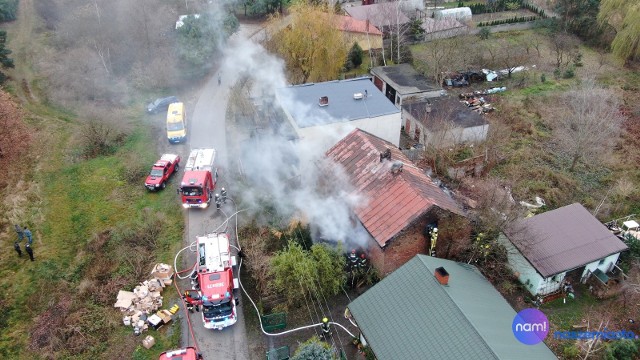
{"points": [[73, 283]]}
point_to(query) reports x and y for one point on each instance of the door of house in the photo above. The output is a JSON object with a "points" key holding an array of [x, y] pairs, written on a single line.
{"points": [[407, 127]]}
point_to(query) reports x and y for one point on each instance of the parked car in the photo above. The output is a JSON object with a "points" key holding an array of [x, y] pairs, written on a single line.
{"points": [[162, 171], [160, 104]]}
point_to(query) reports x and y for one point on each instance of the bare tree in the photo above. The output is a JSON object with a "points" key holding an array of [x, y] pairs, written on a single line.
{"points": [[588, 123], [564, 46], [510, 54]]}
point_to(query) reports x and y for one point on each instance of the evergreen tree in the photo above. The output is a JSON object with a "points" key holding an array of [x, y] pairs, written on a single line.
{"points": [[5, 60]]}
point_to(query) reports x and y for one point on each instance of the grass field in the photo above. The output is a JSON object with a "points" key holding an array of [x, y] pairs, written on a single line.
{"points": [[91, 227]]}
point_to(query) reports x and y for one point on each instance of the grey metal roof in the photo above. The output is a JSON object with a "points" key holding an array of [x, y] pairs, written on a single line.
{"points": [[302, 102], [405, 79], [444, 108], [563, 239], [410, 315]]}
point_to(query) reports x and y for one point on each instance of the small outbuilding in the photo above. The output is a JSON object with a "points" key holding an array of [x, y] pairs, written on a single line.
{"points": [[402, 84], [545, 249], [443, 122]]}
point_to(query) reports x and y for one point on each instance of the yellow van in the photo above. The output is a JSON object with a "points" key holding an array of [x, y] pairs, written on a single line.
{"points": [[176, 123]]}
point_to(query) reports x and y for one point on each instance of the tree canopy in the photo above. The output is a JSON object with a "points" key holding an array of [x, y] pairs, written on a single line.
{"points": [[310, 43], [5, 60], [8, 10], [298, 273], [624, 17], [313, 349]]}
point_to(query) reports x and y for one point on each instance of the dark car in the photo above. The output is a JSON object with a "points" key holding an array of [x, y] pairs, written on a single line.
{"points": [[160, 104]]}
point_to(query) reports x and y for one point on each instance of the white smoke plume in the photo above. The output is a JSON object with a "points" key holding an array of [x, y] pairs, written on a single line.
{"points": [[294, 175]]}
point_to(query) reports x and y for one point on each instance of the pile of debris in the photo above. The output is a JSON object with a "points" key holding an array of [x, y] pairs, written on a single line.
{"points": [[476, 102], [140, 306]]}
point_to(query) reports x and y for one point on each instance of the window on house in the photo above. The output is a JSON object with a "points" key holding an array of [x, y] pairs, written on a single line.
{"points": [[601, 262]]}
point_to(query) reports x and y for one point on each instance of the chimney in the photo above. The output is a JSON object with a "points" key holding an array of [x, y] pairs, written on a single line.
{"points": [[442, 276], [324, 101], [385, 155], [396, 167], [367, 26]]}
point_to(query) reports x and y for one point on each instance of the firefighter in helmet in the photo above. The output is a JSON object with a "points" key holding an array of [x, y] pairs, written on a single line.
{"points": [[353, 260], [363, 263], [433, 234]]}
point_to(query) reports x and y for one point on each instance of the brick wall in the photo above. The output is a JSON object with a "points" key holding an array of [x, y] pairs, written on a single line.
{"points": [[413, 241]]}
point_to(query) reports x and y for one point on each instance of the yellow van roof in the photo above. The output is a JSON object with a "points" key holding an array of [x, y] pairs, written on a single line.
{"points": [[175, 112]]}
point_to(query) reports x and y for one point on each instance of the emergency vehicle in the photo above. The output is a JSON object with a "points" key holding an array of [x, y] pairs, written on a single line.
{"points": [[162, 171], [199, 179], [188, 353], [176, 123], [214, 281]]}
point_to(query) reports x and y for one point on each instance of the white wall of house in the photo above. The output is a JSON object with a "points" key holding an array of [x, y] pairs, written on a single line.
{"points": [[527, 274], [386, 127], [605, 265], [446, 137]]}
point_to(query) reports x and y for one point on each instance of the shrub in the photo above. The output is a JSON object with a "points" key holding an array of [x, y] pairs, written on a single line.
{"points": [[8, 10], [621, 350], [569, 73], [484, 33], [571, 352]]}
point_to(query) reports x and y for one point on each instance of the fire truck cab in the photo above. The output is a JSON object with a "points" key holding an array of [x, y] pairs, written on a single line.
{"points": [[188, 353], [199, 179], [215, 281]]}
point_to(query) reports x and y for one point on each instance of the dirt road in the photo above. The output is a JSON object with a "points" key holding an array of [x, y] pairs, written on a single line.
{"points": [[207, 129]]}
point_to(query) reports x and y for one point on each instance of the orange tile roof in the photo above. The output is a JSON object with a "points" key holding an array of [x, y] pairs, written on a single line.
{"points": [[347, 23], [394, 201]]}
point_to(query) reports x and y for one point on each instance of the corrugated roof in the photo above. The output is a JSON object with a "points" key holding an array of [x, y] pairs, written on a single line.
{"points": [[405, 79], [563, 239], [410, 315], [394, 200], [301, 102], [380, 15], [348, 23], [447, 109]]}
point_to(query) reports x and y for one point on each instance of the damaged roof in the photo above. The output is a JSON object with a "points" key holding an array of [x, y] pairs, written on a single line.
{"points": [[444, 109], [563, 239], [394, 200], [405, 79], [410, 315]]}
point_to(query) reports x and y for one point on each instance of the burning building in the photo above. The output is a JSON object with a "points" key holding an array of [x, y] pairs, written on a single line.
{"points": [[402, 201]]}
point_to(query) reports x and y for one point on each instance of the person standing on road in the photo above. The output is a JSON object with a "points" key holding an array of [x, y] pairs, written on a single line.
{"points": [[29, 251], [27, 234], [17, 247], [219, 79]]}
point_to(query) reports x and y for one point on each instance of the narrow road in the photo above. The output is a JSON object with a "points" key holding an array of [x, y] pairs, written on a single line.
{"points": [[207, 129]]}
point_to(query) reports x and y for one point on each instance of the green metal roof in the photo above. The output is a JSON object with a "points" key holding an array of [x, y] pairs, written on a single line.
{"points": [[410, 315]]}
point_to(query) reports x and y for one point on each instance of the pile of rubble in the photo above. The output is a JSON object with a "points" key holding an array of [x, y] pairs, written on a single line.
{"points": [[476, 102], [141, 306]]}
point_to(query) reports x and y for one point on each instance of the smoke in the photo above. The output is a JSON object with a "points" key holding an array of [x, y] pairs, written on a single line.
{"points": [[292, 175]]}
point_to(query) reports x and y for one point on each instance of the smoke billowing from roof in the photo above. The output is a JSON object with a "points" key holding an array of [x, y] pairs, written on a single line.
{"points": [[291, 174]]}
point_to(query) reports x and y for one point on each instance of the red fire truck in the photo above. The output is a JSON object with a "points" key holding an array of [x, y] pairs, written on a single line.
{"points": [[214, 281], [199, 180], [188, 353]]}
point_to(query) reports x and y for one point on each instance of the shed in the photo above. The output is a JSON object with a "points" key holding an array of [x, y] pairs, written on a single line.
{"points": [[402, 84]]}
